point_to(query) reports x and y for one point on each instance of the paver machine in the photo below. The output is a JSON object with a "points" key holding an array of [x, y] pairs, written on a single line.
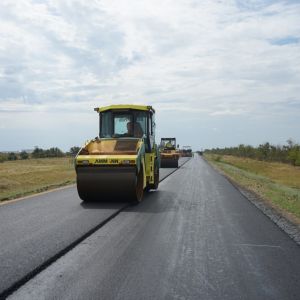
{"points": [[123, 160], [168, 153]]}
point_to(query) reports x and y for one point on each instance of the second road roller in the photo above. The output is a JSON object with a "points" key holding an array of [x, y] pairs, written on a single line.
{"points": [[123, 160], [186, 151], [169, 154]]}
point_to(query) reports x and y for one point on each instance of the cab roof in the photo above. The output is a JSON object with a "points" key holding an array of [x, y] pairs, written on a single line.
{"points": [[125, 106]]}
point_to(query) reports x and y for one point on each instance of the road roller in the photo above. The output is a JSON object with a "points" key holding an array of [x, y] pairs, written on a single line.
{"points": [[124, 160], [186, 151], [168, 153]]}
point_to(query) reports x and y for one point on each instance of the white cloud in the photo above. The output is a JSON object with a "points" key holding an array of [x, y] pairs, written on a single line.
{"points": [[210, 58]]}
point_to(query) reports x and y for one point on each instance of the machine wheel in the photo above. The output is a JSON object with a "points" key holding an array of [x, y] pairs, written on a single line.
{"points": [[164, 164], [85, 197], [139, 191], [176, 164]]}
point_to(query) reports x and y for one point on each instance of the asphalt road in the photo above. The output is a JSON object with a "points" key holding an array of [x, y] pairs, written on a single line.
{"points": [[36, 230], [197, 237]]}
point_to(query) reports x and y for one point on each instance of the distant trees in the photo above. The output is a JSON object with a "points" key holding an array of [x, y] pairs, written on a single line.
{"points": [[74, 150], [12, 156], [38, 153], [3, 157], [294, 153], [52, 152], [24, 155], [289, 153]]}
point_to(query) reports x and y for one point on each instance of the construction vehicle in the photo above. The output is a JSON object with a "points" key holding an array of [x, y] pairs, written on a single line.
{"points": [[186, 151], [168, 153], [124, 160]]}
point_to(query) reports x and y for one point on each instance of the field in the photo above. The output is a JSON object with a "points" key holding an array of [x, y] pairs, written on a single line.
{"points": [[24, 177], [276, 183]]}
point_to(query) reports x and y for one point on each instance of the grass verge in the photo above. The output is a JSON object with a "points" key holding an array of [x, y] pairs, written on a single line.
{"points": [[25, 177], [277, 184]]}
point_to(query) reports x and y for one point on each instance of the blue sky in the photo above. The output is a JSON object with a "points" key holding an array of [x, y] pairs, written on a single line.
{"points": [[218, 73]]}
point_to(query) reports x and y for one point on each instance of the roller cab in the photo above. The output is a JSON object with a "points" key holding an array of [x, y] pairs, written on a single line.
{"points": [[168, 153], [123, 161]]}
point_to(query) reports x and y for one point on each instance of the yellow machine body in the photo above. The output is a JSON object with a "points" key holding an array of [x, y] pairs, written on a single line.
{"points": [[168, 153], [120, 165]]}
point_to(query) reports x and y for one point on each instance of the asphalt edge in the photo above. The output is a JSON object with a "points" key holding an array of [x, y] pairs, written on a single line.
{"points": [[47, 191], [288, 226]]}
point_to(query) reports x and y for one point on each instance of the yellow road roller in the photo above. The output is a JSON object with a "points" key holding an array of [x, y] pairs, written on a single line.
{"points": [[123, 160], [186, 151], [168, 153]]}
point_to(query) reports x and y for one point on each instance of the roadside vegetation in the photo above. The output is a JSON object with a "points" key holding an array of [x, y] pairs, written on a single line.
{"points": [[25, 173], [289, 153], [37, 153], [276, 183]]}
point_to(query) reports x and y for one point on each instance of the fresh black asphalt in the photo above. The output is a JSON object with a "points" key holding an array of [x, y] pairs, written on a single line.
{"points": [[197, 237], [34, 230]]}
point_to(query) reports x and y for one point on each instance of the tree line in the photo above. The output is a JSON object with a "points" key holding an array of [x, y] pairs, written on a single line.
{"points": [[38, 153], [288, 153]]}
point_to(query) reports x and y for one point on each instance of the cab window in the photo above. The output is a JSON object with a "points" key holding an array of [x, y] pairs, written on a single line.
{"points": [[122, 124], [141, 124]]}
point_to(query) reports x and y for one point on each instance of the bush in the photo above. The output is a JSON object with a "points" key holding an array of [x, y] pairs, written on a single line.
{"points": [[217, 158], [52, 152], [289, 153], [38, 153], [294, 155], [24, 155], [74, 150], [12, 156]]}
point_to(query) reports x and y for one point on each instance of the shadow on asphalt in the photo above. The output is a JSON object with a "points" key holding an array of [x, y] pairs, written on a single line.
{"points": [[104, 204], [153, 202]]}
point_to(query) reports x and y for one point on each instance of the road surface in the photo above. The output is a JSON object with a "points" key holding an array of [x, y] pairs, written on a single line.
{"points": [[36, 230], [197, 237]]}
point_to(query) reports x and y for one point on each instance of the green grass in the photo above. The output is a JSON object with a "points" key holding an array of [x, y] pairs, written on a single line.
{"points": [[276, 183], [25, 177]]}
